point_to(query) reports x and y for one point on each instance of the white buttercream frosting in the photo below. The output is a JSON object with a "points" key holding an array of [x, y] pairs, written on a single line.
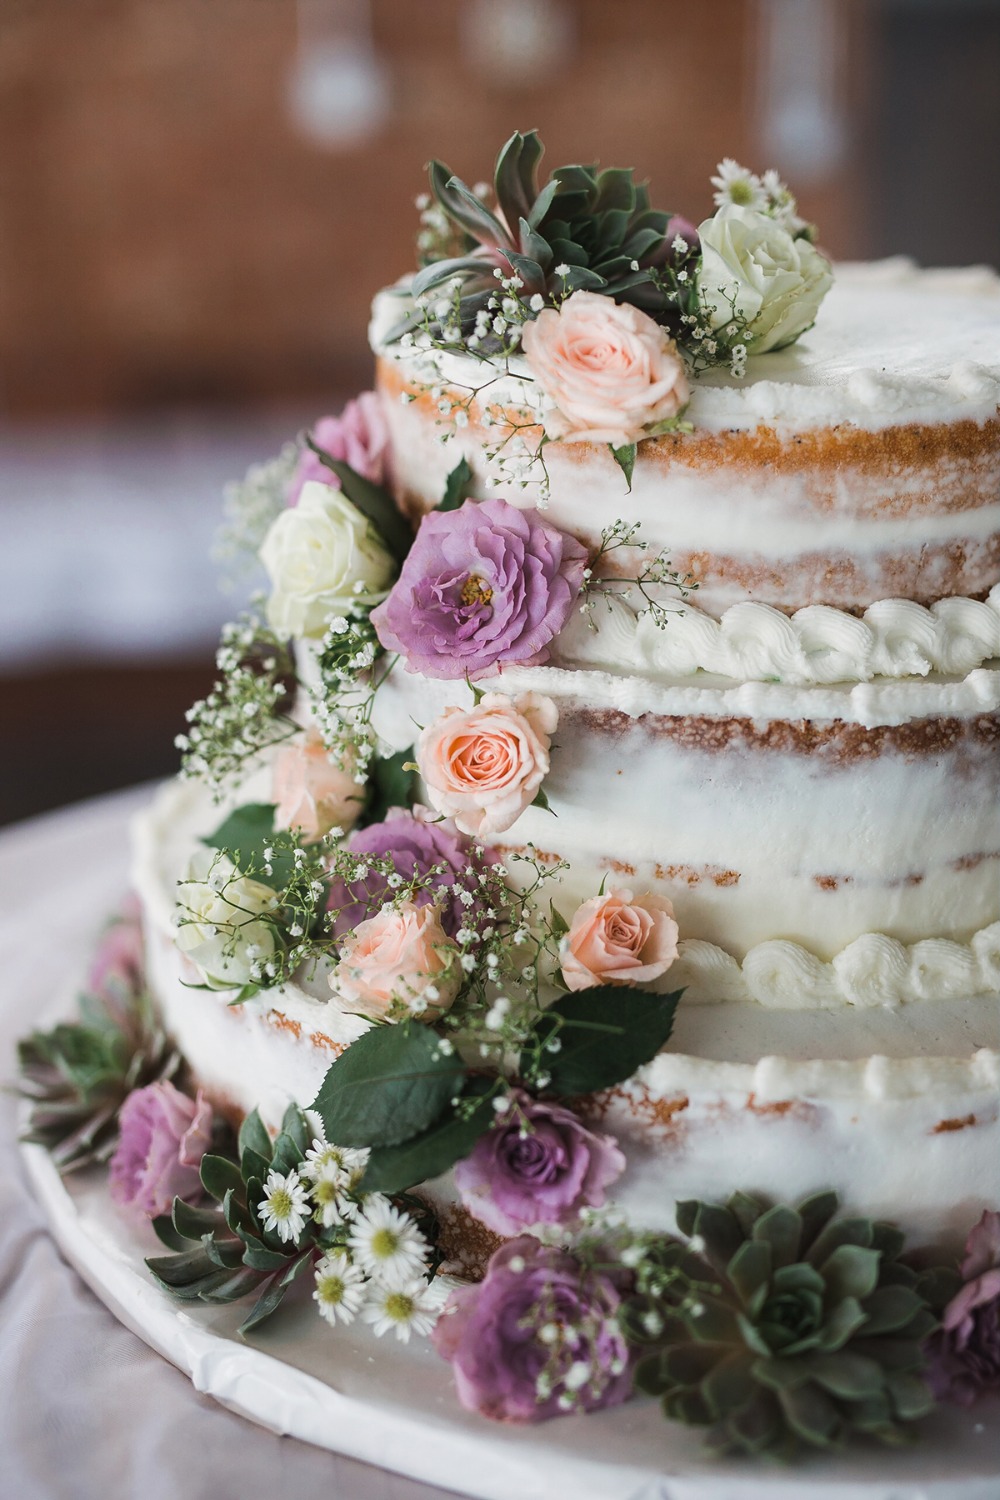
{"points": [[871, 970], [818, 644], [892, 344]]}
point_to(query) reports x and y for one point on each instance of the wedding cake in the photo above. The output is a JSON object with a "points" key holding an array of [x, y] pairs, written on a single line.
{"points": [[617, 756]]}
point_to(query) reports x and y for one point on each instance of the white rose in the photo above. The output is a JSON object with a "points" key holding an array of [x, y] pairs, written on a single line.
{"points": [[317, 553], [222, 921], [752, 266]]}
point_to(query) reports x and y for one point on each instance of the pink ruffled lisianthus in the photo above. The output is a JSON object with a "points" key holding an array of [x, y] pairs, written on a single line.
{"points": [[359, 437], [482, 585], [619, 938], [483, 766], [964, 1353], [539, 1164], [538, 1337], [163, 1137], [118, 965], [417, 841]]}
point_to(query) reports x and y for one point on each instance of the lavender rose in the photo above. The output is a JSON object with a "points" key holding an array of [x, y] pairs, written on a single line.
{"points": [[164, 1136], [416, 844], [482, 585], [964, 1353], [537, 1337], [358, 437], [539, 1164]]}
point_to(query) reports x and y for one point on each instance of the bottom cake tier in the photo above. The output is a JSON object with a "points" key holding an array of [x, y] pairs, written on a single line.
{"points": [[897, 1109]]}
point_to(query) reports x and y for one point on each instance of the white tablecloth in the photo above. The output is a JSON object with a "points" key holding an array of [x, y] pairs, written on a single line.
{"points": [[86, 1409]]}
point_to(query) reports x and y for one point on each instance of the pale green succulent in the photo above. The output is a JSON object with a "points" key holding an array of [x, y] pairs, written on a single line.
{"points": [[803, 1328]]}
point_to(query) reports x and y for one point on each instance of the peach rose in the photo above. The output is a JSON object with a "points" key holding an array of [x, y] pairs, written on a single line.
{"points": [[619, 939], [402, 956], [611, 372], [312, 793], [483, 766]]}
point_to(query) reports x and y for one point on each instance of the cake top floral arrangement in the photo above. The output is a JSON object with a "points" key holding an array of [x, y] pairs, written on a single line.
{"points": [[601, 304]]}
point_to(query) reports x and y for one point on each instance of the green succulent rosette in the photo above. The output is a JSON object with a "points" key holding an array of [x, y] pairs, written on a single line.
{"points": [[802, 1328]]}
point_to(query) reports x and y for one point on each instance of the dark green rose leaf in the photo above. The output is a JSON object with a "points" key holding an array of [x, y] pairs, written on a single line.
{"points": [[245, 834], [375, 504], [393, 1169], [606, 1034], [391, 783], [254, 1137], [458, 486], [391, 1084]]}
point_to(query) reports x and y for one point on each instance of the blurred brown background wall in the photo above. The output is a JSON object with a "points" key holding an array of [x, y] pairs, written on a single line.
{"points": [[170, 233]]}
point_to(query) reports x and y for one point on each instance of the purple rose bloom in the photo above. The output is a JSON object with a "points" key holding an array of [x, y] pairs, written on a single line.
{"points": [[964, 1352], [164, 1136], [415, 845], [482, 585], [492, 1334], [539, 1164], [357, 437]]}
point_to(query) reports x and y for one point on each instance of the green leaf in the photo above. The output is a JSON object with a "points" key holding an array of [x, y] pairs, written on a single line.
{"points": [[287, 1154], [749, 1270], [254, 1137], [391, 783], [260, 1258], [219, 1175], [560, 926], [390, 1084], [245, 834], [393, 1169], [457, 486], [540, 800], [606, 1034], [236, 1285], [781, 1228], [375, 504], [850, 1271], [167, 1234], [191, 1222], [624, 457], [267, 1303], [178, 1271]]}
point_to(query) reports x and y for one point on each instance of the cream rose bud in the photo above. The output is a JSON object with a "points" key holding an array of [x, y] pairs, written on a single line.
{"points": [[483, 766], [401, 957], [610, 371], [222, 924], [752, 266], [619, 938], [322, 556], [312, 793]]}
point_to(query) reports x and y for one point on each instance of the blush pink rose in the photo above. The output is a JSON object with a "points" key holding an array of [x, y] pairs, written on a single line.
{"points": [[619, 938], [610, 371], [483, 766], [401, 956], [359, 437], [313, 794]]}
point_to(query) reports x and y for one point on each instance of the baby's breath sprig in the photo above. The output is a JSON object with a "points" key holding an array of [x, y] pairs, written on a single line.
{"points": [[650, 580], [352, 667], [250, 505], [705, 346], [244, 714]]}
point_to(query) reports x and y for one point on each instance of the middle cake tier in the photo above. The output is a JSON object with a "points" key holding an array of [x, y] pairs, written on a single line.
{"points": [[839, 844]]}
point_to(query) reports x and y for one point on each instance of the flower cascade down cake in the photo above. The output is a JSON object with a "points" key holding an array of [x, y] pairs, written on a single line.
{"points": [[598, 833]]}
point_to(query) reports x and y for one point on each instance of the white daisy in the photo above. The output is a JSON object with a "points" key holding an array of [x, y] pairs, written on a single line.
{"points": [[410, 1307], [340, 1288], [325, 1193], [386, 1243], [342, 1165], [284, 1206], [736, 184]]}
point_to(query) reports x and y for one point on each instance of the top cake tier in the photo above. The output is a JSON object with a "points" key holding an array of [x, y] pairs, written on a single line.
{"points": [[861, 463]]}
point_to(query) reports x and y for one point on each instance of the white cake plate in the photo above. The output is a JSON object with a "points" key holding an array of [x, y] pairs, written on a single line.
{"points": [[393, 1404]]}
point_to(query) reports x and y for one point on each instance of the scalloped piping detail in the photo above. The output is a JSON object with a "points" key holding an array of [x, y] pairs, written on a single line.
{"points": [[818, 644], [872, 970]]}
